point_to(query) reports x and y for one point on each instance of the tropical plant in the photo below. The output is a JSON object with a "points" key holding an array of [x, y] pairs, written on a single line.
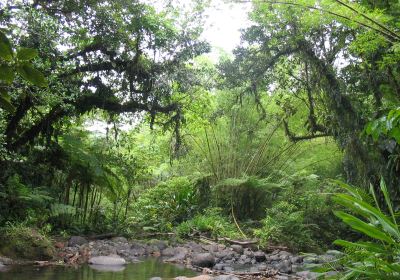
{"points": [[377, 256]]}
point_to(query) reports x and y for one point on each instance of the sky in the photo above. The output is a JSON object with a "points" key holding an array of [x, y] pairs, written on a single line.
{"points": [[221, 30]]}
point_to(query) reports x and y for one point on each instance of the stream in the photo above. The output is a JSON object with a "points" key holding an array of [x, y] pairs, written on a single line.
{"points": [[145, 270]]}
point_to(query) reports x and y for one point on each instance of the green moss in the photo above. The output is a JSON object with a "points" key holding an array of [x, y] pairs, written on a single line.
{"points": [[21, 242]]}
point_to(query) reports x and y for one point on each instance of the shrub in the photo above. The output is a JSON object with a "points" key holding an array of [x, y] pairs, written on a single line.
{"points": [[248, 196], [302, 218], [212, 224], [165, 205]]}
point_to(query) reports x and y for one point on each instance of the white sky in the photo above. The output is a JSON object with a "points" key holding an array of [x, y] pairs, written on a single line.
{"points": [[223, 25]]}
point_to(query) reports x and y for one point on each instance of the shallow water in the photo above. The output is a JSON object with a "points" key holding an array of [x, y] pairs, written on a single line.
{"points": [[137, 271]]}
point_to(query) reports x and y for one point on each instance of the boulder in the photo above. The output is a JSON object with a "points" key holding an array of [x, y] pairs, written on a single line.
{"points": [[77, 240], [237, 248], [6, 261], [203, 260], [112, 260], [120, 239], [179, 254], [284, 266], [260, 256]]}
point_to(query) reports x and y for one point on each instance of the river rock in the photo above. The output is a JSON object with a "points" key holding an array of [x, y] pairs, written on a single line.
{"points": [[203, 260], [120, 239], [112, 260], [259, 256], [225, 277], [179, 254], [284, 266], [77, 240], [6, 261], [307, 275], [237, 248]]}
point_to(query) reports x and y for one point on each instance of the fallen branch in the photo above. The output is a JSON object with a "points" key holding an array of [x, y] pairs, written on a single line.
{"points": [[238, 242]]}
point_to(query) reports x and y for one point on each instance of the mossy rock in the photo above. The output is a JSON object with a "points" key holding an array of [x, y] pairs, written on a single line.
{"points": [[26, 243]]}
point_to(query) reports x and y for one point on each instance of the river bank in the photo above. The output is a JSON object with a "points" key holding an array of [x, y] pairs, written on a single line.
{"points": [[215, 259]]}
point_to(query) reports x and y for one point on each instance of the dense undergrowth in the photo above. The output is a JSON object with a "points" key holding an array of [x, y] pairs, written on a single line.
{"points": [[123, 125]]}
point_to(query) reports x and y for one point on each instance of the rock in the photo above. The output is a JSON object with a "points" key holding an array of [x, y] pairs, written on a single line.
{"points": [[4, 268], [225, 277], [259, 256], [137, 249], [77, 240], [283, 255], [200, 277], [307, 274], [6, 261], [219, 266], [168, 252], [120, 239], [285, 266], [179, 255], [112, 260], [161, 245], [194, 247], [296, 259], [155, 278], [228, 269], [248, 252], [238, 249], [281, 277], [203, 260], [253, 269], [211, 248], [262, 267]]}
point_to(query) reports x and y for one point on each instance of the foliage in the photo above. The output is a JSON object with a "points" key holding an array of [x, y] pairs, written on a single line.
{"points": [[377, 255], [12, 62], [212, 223], [301, 217], [245, 197], [165, 205]]}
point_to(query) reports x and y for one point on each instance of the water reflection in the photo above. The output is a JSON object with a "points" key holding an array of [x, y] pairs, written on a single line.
{"points": [[137, 271]]}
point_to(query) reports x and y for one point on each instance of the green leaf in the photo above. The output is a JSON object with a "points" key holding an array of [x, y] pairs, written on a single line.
{"points": [[6, 74], [32, 75], [387, 199], [25, 54], [5, 101], [6, 51], [371, 247], [363, 227], [369, 212]]}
